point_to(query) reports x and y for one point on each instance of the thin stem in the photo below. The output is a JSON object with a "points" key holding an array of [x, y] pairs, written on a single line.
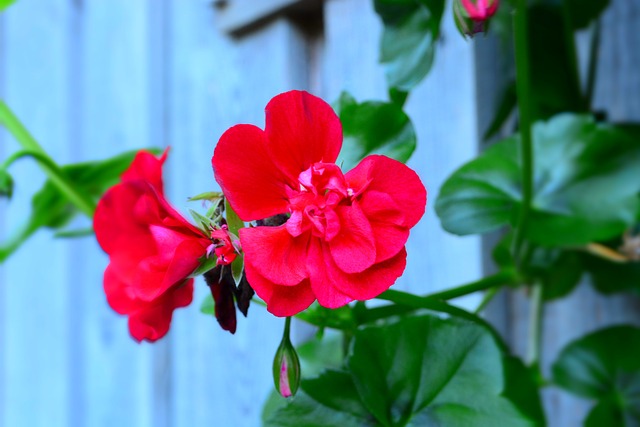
{"points": [[404, 298], [535, 325], [287, 328], [523, 87], [594, 54], [572, 54], [486, 299], [58, 178]]}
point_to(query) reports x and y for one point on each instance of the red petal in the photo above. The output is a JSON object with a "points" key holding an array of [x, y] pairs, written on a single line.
{"points": [[327, 291], [248, 177], [146, 167], [281, 300], [380, 173], [353, 249], [384, 216], [275, 254], [152, 321], [302, 129]]}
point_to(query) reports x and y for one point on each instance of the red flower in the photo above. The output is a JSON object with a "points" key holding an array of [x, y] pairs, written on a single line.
{"points": [[472, 16], [344, 239], [152, 249]]}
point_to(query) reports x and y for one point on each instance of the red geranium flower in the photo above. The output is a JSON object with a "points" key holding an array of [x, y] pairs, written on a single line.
{"points": [[344, 239], [152, 249]]}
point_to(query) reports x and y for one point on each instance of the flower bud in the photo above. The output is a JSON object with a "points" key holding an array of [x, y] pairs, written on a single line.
{"points": [[286, 366], [472, 16]]}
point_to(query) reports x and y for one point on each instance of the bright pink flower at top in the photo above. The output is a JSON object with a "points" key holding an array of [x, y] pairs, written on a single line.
{"points": [[152, 249], [480, 10], [345, 237], [225, 246]]}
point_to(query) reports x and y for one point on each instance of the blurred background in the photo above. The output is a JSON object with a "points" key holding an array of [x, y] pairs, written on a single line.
{"points": [[92, 78]]}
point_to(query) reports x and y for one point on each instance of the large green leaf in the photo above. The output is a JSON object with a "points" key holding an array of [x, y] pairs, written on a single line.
{"points": [[419, 371], [609, 277], [586, 184], [374, 128], [604, 366], [51, 209], [411, 30]]}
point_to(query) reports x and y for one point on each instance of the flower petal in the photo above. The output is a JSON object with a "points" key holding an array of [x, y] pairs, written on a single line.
{"points": [[326, 290], [371, 282], [146, 167], [353, 249], [384, 216], [380, 173], [251, 181], [275, 254], [152, 321], [302, 129], [281, 300]]}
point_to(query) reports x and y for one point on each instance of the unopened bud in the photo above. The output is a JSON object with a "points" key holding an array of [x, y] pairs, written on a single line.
{"points": [[286, 366], [472, 16]]}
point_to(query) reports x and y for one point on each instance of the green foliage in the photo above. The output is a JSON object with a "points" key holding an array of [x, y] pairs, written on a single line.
{"points": [[609, 277], [6, 184], [598, 367], [373, 128], [50, 208], [411, 30], [585, 184], [418, 371], [5, 4]]}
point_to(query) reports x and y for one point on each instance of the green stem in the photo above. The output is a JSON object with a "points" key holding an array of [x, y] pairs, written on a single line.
{"points": [[523, 87], [535, 325], [58, 178], [287, 328], [486, 299], [406, 299], [594, 54]]}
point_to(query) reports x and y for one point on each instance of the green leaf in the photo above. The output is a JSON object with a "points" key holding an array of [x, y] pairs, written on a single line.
{"points": [[553, 75], [208, 305], [340, 318], [6, 184], [211, 196], [583, 12], [419, 371], [431, 371], [411, 29], [5, 4], [521, 388], [585, 184], [50, 208], [609, 277], [559, 271], [206, 264], [374, 128], [597, 367]]}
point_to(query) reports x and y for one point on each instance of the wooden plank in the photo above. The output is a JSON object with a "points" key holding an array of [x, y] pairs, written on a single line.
{"points": [[36, 299], [239, 16], [118, 87], [445, 128], [217, 82]]}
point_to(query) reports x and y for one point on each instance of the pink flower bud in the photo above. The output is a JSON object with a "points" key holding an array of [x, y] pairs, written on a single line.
{"points": [[472, 16], [286, 367]]}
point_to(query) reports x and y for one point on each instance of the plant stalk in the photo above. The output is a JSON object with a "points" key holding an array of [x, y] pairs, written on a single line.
{"points": [[535, 325], [523, 88], [58, 178]]}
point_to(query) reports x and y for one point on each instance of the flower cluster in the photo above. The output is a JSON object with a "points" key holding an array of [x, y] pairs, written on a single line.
{"points": [[319, 234]]}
